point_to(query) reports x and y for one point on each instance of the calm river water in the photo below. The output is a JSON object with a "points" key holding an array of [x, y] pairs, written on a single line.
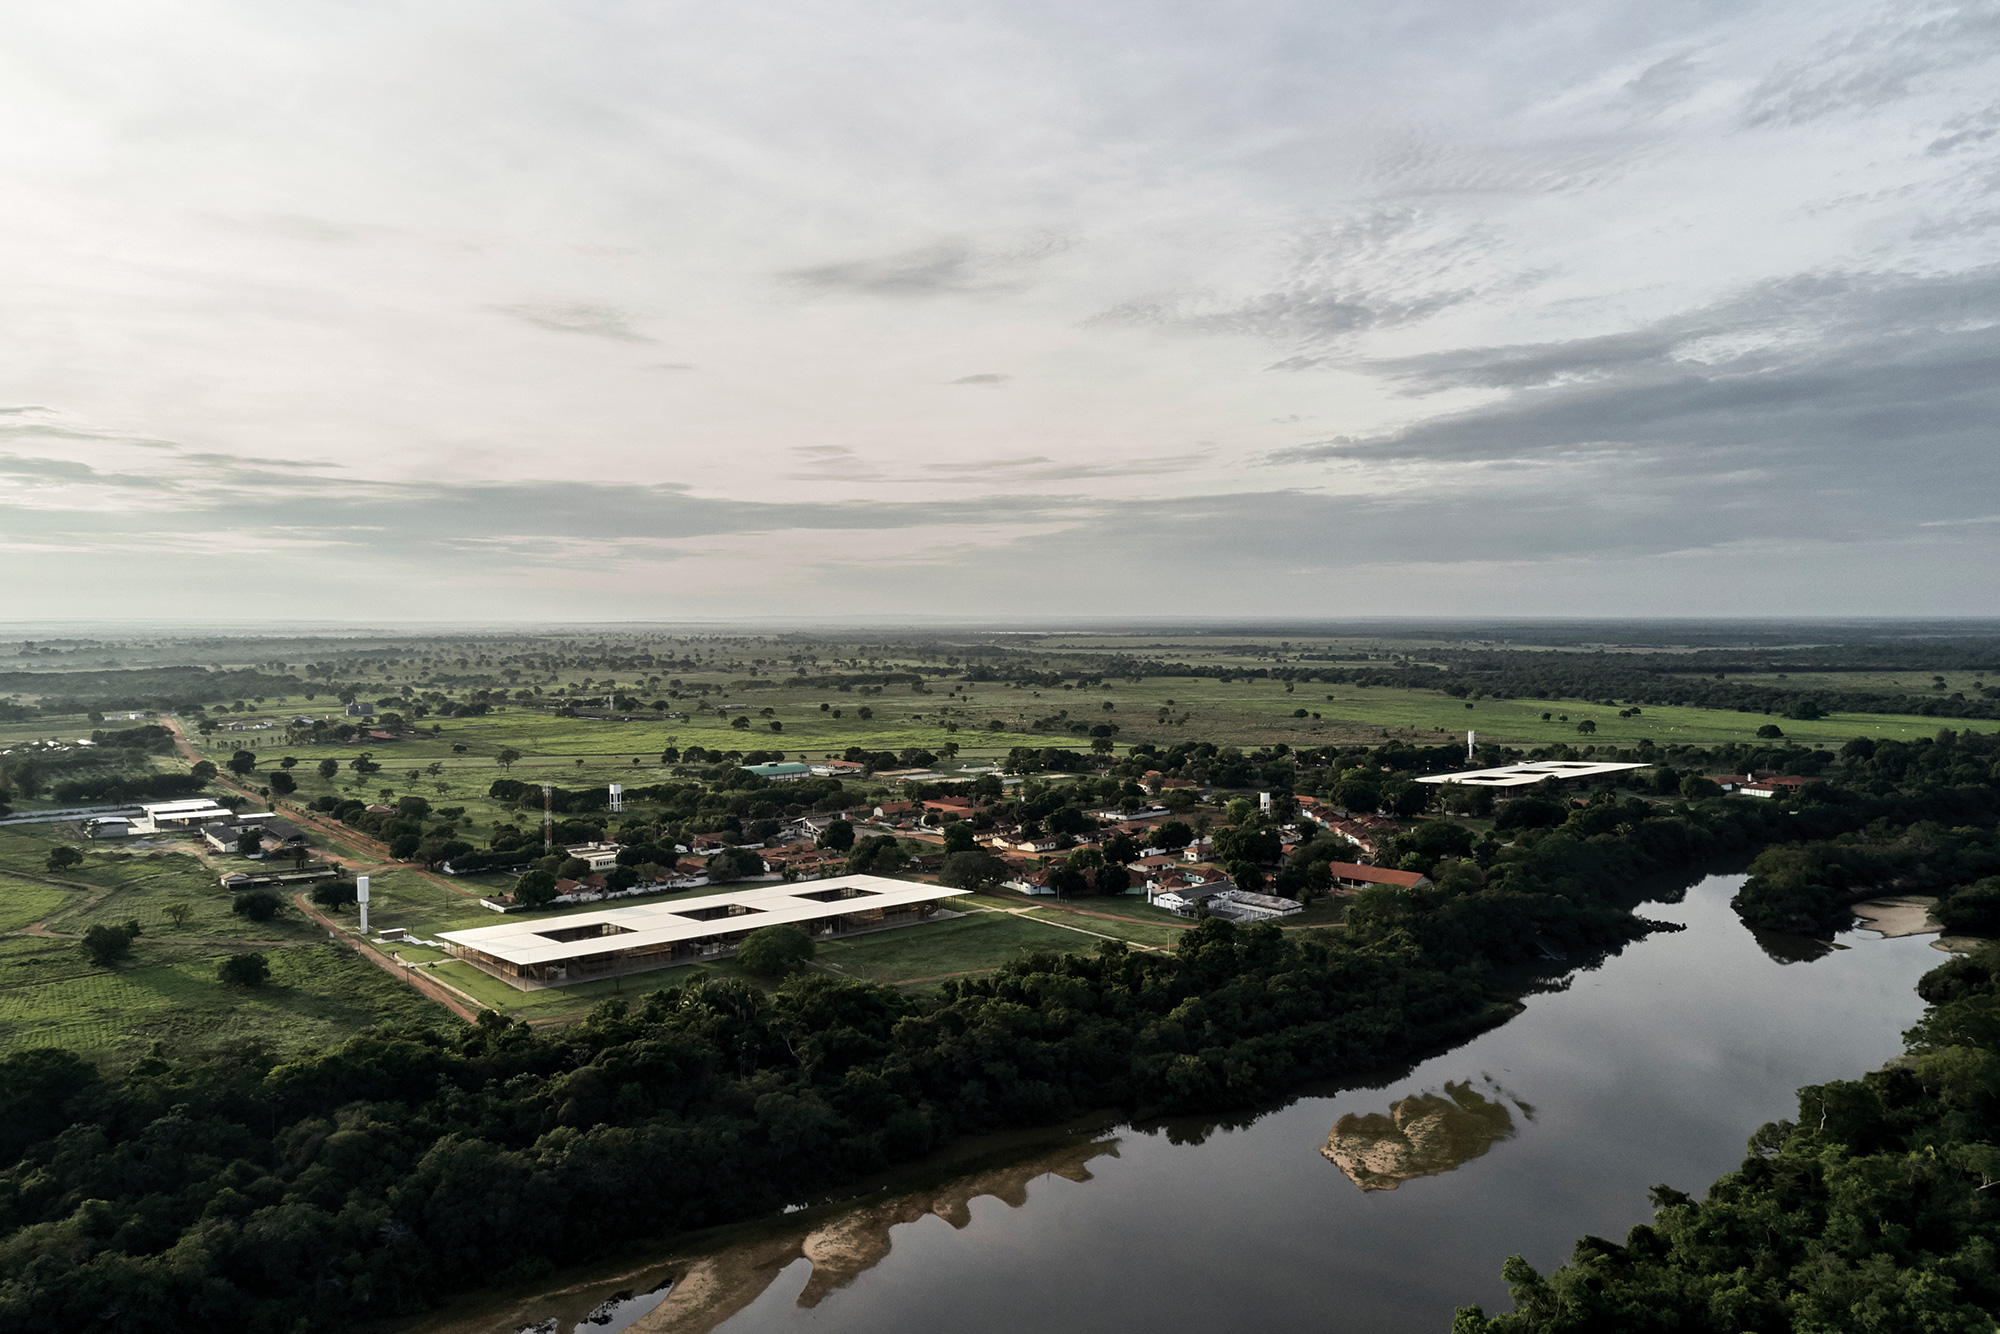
{"points": [[1376, 1209]]}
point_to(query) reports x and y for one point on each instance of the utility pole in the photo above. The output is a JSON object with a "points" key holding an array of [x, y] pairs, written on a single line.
{"points": [[548, 818]]}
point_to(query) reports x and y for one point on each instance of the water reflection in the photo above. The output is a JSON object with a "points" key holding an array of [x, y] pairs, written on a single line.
{"points": [[1782, 948], [841, 1249], [1423, 1135]]}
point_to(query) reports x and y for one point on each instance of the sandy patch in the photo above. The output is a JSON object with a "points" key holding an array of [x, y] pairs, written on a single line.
{"points": [[1905, 915]]}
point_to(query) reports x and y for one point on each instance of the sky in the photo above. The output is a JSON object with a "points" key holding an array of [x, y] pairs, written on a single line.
{"points": [[489, 310]]}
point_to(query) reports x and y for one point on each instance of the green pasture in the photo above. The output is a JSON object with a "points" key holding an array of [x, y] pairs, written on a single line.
{"points": [[318, 994], [23, 902], [1911, 683], [1160, 934], [588, 752], [972, 943], [559, 1004], [166, 990], [1520, 721]]}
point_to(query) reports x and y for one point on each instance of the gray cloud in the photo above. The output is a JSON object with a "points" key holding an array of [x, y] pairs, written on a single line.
{"points": [[1876, 63], [1374, 268], [982, 378], [579, 317], [1039, 468], [1841, 399], [953, 267]]}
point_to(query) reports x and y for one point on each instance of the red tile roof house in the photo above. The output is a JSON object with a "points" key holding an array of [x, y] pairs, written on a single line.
{"points": [[1349, 877], [580, 891], [1362, 836]]}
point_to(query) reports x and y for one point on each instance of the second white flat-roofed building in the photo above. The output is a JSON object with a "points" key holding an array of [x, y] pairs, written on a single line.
{"points": [[550, 951], [1533, 772], [184, 814]]}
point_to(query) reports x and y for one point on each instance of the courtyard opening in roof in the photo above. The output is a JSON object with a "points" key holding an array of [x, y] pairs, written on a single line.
{"points": [[614, 941]]}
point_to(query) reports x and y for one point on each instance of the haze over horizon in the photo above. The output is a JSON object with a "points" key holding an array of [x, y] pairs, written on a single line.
{"points": [[633, 313]]}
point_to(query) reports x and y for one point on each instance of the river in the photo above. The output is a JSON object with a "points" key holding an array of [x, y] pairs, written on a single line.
{"points": [[1374, 1210]]}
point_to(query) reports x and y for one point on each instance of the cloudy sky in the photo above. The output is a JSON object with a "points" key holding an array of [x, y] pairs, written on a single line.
{"points": [[621, 310]]}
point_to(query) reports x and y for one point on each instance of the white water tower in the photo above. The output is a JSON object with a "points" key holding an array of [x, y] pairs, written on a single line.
{"points": [[617, 798], [1468, 747], [361, 898]]}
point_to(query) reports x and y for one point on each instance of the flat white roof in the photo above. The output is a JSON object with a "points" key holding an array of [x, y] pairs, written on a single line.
{"points": [[176, 807], [1534, 771], [528, 941]]}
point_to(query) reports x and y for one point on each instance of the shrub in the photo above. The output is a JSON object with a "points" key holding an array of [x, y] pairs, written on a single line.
{"points": [[774, 951], [1530, 813], [535, 889], [972, 870], [1696, 788], [244, 970], [106, 945], [334, 894], [259, 905]]}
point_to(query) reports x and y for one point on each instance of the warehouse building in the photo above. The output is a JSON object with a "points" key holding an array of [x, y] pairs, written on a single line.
{"points": [[551, 951]]}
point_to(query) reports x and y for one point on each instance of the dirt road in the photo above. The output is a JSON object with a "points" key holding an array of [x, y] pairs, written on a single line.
{"points": [[427, 987], [328, 829]]}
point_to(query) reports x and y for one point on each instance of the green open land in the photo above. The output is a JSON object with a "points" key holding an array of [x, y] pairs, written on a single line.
{"points": [[588, 751], [968, 944], [1027, 691], [167, 991]]}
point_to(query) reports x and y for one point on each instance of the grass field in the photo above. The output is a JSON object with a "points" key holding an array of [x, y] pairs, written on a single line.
{"points": [[23, 902], [317, 995], [1913, 683], [972, 943], [573, 751], [167, 990]]}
